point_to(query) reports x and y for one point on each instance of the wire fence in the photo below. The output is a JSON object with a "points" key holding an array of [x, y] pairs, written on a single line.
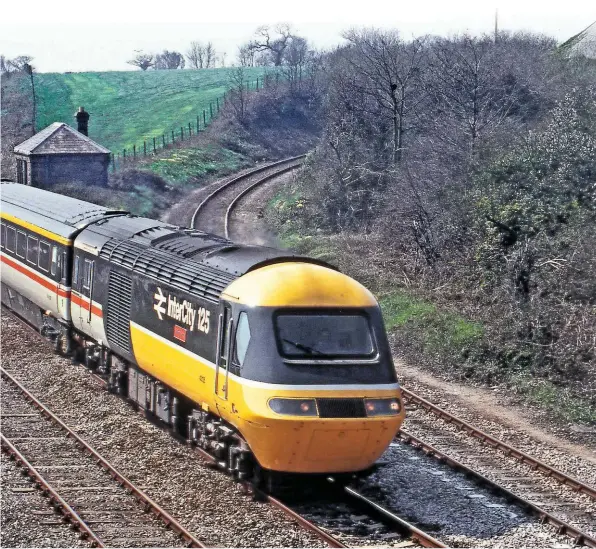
{"points": [[150, 147]]}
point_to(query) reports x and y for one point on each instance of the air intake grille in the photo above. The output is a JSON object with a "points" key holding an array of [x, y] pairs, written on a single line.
{"points": [[184, 274], [118, 317], [341, 407]]}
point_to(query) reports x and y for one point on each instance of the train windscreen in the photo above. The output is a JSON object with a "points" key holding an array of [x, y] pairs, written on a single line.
{"points": [[317, 336]]}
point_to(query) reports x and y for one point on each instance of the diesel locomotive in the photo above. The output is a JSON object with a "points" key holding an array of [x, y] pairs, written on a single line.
{"points": [[269, 360]]}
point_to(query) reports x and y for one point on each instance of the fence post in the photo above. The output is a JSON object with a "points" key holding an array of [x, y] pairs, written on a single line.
{"points": [[210, 111], [163, 140], [113, 163], [204, 119], [248, 86], [217, 99], [181, 133], [134, 151], [123, 154], [257, 86], [144, 148], [189, 130], [197, 123], [154, 147], [173, 137]]}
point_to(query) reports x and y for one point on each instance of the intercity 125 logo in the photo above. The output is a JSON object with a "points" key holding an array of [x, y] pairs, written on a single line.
{"points": [[182, 311]]}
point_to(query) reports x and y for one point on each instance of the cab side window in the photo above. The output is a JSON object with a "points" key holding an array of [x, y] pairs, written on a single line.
{"points": [[2, 234], [242, 339]]}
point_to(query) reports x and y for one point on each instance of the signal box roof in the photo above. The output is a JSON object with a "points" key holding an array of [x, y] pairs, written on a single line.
{"points": [[59, 138]]}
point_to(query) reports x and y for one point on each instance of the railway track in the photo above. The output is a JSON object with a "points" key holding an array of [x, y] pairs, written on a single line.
{"points": [[213, 213], [544, 491], [370, 513], [454, 442], [106, 508]]}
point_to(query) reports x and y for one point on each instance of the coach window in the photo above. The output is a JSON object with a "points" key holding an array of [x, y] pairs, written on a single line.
{"points": [[21, 244], [242, 339], [2, 234], [11, 235], [87, 274], [54, 260], [32, 250], [44, 256]]}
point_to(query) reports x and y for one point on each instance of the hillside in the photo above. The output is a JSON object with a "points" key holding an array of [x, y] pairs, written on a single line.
{"points": [[128, 107]]}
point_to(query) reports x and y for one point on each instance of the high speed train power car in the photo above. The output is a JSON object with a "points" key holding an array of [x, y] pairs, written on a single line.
{"points": [[271, 361]]}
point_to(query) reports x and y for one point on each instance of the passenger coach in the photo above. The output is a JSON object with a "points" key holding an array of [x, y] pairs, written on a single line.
{"points": [[269, 360]]}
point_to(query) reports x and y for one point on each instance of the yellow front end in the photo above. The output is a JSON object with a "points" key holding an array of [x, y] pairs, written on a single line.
{"points": [[312, 444]]}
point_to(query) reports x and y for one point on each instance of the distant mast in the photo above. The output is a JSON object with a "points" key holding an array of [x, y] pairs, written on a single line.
{"points": [[496, 25]]}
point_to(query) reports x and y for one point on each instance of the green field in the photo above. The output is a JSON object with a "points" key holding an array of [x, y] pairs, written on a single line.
{"points": [[129, 107]]}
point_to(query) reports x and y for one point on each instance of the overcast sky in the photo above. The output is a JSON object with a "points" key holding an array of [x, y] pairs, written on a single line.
{"points": [[69, 35]]}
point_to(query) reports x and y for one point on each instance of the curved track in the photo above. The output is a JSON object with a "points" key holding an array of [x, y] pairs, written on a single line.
{"points": [[213, 213]]}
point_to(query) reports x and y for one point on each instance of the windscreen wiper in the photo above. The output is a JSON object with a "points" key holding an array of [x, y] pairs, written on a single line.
{"points": [[305, 348]]}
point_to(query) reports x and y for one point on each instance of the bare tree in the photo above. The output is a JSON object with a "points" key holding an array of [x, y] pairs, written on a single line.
{"points": [[387, 71], [468, 89], [16, 64], [196, 55], [272, 43], [295, 59], [238, 95], [246, 56], [142, 60], [168, 60], [209, 55], [222, 58]]}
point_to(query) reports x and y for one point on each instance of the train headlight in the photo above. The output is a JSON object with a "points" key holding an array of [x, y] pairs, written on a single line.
{"points": [[294, 406], [382, 406]]}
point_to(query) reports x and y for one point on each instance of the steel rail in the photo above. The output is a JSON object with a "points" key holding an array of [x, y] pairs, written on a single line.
{"points": [[494, 442], [235, 180], [69, 513], [304, 523], [248, 189], [307, 525], [150, 505], [416, 534], [579, 537]]}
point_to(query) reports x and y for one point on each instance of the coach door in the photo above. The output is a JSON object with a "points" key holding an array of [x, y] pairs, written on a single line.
{"points": [[82, 285], [224, 351]]}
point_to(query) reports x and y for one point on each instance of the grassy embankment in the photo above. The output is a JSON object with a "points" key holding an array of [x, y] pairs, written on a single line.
{"points": [[424, 330], [129, 107]]}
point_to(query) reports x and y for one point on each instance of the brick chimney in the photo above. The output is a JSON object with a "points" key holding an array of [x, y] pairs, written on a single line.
{"points": [[82, 121]]}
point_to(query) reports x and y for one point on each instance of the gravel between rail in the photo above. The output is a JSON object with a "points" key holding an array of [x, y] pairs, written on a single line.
{"points": [[204, 500]]}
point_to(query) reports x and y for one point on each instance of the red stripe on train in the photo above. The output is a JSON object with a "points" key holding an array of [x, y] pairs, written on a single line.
{"points": [[35, 277], [85, 304]]}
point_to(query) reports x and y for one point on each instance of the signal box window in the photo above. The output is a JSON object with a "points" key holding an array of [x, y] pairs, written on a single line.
{"points": [[11, 236], [44, 256], [242, 339], [2, 234], [21, 244], [32, 248]]}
